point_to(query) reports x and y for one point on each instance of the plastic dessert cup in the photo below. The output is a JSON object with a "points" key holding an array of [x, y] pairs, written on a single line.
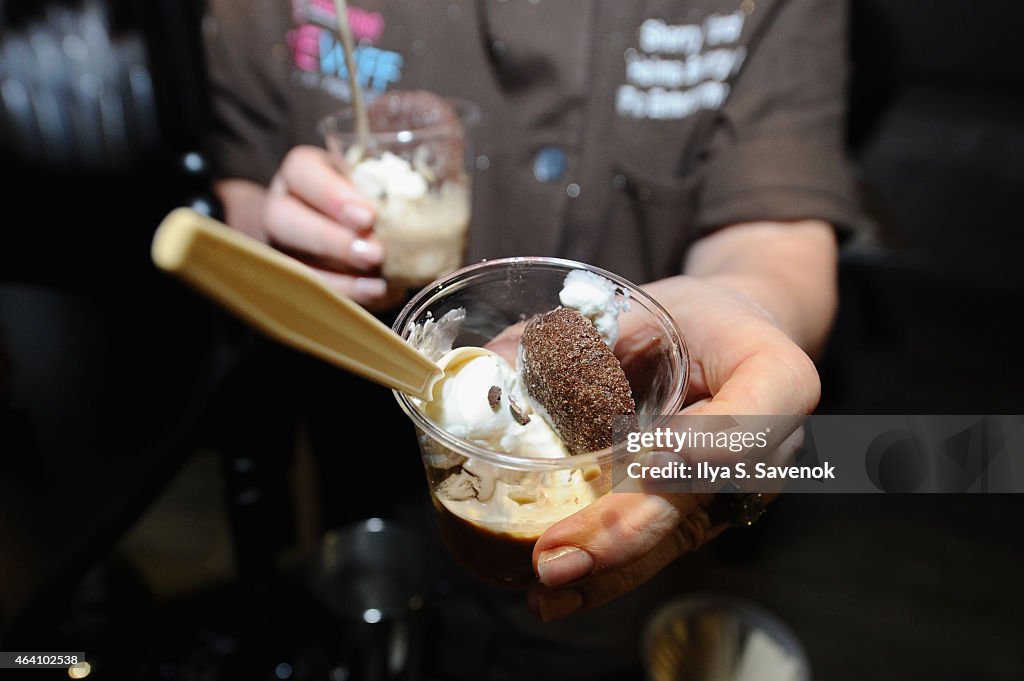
{"points": [[492, 534], [708, 637], [423, 209]]}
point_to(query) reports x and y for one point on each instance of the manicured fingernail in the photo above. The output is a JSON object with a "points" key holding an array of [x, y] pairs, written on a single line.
{"points": [[367, 253], [563, 565], [356, 215], [554, 605], [371, 288]]}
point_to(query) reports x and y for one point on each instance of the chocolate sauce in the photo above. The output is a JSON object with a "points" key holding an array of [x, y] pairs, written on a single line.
{"points": [[495, 557]]}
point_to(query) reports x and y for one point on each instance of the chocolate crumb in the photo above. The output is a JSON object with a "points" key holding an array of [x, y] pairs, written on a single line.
{"points": [[460, 486], [494, 397], [521, 417]]}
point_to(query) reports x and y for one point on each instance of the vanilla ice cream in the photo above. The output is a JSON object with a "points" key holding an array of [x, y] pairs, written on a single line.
{"points": [[388, 177], [478, 402]]}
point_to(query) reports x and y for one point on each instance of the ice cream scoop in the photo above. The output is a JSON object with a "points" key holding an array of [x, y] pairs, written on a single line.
{"points": [[290, 302], [483, 400]]}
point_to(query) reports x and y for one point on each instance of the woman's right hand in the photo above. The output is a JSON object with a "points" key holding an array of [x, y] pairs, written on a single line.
{"points": [[315, 214]]}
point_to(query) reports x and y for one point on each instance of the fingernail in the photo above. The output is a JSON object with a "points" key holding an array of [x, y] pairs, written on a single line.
{"points": [[369, 253], [371, 288], [563, 565], [356, 215], [555, 605]]}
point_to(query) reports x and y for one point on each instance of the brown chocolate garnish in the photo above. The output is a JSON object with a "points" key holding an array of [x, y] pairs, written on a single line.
{"points": [[570, 371], [494, 397], [521, 417]]}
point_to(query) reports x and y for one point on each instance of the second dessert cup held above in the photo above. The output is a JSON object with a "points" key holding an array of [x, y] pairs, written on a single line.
{"points": [[416, 167], [498, 474]]}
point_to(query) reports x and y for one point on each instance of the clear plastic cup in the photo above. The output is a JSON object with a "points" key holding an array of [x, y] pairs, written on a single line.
{"points": [[493, 534], [716, 637], [420, 181], [370, 583]]}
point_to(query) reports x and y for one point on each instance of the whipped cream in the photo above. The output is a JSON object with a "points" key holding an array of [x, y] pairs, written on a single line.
{"points": [[522, 508], [597, 299]]}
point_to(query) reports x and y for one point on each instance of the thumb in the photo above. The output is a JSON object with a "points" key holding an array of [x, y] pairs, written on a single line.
{"points": [[614, 531], [611, 547]]}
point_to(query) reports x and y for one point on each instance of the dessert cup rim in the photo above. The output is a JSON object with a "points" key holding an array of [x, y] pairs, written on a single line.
{"points": [[752, 613], [598, 457], [469, 114]]}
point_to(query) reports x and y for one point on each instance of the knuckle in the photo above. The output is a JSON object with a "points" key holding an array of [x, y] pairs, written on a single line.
{"points": [[326, 242], [333, 203], [301, 166], [298, 157], [811, 382], [292, 161], [273, 214], [622, 531], [804, 380]]}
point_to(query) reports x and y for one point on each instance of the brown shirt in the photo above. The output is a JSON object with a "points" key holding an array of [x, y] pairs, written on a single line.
{"points": [[614, 132]]}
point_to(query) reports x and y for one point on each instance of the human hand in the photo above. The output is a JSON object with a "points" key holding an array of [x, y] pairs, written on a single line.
{"points": [[741, 363], [315, 214]]}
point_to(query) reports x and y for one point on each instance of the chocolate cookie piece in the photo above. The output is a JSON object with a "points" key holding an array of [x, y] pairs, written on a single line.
{"points": [[417, 109], [568, 369]]}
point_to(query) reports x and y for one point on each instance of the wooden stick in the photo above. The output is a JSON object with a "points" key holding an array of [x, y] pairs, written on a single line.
{"points": [[362, 121]]}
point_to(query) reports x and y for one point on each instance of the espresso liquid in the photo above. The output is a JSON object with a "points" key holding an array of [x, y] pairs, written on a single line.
{"points": [[496, 557]]}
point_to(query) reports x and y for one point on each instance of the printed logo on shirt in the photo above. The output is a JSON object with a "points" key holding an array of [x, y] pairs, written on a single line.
{"points": [[679, 69], [318, 56]]}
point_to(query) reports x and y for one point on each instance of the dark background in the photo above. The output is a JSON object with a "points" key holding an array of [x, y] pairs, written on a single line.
{"points": [[113, 380]]}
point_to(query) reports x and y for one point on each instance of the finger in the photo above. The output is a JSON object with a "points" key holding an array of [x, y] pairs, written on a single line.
{"points": [[750, 402], [372, 293], [307, 173], [614, 531], [549, 604], [776, 378], [294, 226]]}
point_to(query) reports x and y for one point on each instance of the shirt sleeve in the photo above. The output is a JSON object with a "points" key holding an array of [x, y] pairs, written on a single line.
{"points": [[777, 150], [248, 85]]}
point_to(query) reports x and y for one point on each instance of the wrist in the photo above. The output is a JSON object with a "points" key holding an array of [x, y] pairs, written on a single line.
{"points": [[804, 312], [243, 206]]}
